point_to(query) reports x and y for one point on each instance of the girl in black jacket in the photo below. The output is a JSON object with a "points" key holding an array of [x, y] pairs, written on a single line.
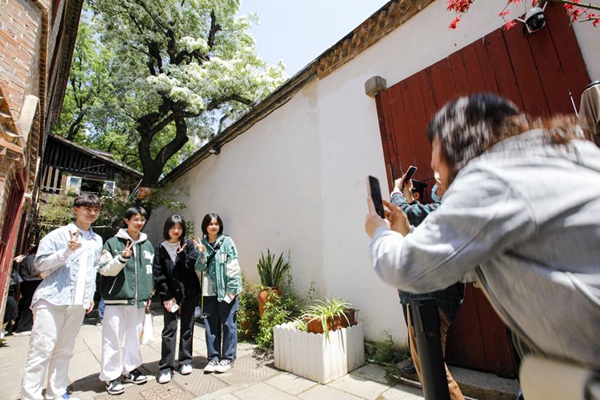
{"points": [[178, 286]]}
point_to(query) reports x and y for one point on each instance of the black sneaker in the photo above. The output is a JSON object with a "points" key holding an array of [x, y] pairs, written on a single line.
{"points": [[409, 370], [115, 387], [135, 377]]}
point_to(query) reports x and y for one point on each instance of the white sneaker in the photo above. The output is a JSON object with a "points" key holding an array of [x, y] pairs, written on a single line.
{"points": [[24, 333], [185, 369], [211, 366], [224, 366], [165, 376]]}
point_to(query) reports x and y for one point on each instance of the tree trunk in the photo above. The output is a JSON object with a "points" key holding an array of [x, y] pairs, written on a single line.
{"points": [[153, 167]]}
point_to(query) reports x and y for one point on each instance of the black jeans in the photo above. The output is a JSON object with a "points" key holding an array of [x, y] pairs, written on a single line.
{"points": [[186, 335]]}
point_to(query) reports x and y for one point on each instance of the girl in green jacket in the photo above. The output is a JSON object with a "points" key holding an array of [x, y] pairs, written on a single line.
{"points": [[221, 283]]}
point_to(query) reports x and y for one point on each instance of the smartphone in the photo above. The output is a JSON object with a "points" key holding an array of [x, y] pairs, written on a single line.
{"points": [[409, 174], [376, 195]]}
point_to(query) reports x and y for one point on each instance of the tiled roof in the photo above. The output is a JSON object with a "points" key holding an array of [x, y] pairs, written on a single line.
{"points": [[104, 156], [383, 21]]}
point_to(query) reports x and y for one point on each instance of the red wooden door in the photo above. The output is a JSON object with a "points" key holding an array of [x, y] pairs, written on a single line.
{"points": [[543, 74], [8, 237]]}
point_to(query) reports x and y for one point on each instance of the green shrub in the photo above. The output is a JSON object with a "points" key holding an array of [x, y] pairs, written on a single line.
{"points": [[387, 354], [272, 273], [325, 312], [248, 310], [279, 310]]}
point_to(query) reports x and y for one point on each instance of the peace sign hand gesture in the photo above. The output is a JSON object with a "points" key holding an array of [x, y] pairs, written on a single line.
{"points": [[180, 247], [127, 251], [74, 243], [199, 246]]}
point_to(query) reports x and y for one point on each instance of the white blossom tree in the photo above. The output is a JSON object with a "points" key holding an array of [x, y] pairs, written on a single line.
{"points": [[178, 66]]}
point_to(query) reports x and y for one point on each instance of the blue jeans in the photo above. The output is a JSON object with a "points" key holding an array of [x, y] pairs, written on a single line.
{"points": [[220, 323], [101, 309]]}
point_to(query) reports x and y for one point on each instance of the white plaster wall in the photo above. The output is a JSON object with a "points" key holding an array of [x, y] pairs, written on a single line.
{"points": [[296, 180], [589, 42], [265, 186]]}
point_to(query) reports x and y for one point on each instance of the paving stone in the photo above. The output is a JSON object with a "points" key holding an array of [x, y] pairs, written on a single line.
{"points": [[250, 379], [245, 349], [484, 386], [235, 377], [226, 396], [256, 369], [321, 392], [291, 383], [222, 394], [402, 392], [371, 372], [87, 388], [151, 390], [83, 366], [262, 391], [359, 386], [199, 383]]}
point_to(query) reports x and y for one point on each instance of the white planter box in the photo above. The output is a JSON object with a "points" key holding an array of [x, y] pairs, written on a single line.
{"points": [[314, 357]]}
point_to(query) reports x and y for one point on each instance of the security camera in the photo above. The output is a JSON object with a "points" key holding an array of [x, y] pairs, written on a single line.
{"points": [[534, 19]]}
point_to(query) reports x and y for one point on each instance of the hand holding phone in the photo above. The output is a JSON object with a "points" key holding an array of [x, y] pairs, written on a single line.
{"points": [[409, 174], [375, 193]]}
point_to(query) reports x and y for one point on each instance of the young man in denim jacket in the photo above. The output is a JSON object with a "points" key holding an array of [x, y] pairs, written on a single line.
{"points": [[68, 260]]}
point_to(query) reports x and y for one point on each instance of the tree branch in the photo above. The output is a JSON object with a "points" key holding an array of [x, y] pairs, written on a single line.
{"points": [[154, 53], [582, 5], [214, 28], [75, 126], [156, 21], [234, 97], [174, 145]]}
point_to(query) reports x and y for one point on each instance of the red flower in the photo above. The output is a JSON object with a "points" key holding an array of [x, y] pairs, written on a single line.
{"points": [[576, 14], [454, 23], [459, 6], [504, 13], [509, 24]]}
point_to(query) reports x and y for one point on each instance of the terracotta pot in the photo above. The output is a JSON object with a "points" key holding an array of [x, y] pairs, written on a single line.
{"points": [[338, 322], [264, 296]]}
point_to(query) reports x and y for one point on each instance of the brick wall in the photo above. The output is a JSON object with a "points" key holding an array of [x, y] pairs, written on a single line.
{"points": [[20, 41]]}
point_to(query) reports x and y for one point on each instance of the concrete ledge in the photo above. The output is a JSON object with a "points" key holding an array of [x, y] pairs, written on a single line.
{"points": [[484, 386]]}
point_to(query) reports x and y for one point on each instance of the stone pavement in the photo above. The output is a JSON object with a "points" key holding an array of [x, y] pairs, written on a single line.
{"points": [[250, 379]]}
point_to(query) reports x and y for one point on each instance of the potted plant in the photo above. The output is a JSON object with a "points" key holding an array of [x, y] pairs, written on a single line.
{"points": [[247, 316], [324, 356], [272, 274], [331, 315]]}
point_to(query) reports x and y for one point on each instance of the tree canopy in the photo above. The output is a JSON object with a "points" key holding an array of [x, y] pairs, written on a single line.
{"points": [[163, 71]]}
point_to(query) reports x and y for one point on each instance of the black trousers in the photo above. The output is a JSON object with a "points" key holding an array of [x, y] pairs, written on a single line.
{"points": [[25, 320], [186, 334]]}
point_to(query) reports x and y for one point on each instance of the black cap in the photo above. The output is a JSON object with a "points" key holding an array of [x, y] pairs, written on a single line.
{"points": [[419, 187]]}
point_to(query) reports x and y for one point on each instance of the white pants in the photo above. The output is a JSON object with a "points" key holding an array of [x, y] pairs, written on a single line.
{"points": [[51, 344], [121, 323]]}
